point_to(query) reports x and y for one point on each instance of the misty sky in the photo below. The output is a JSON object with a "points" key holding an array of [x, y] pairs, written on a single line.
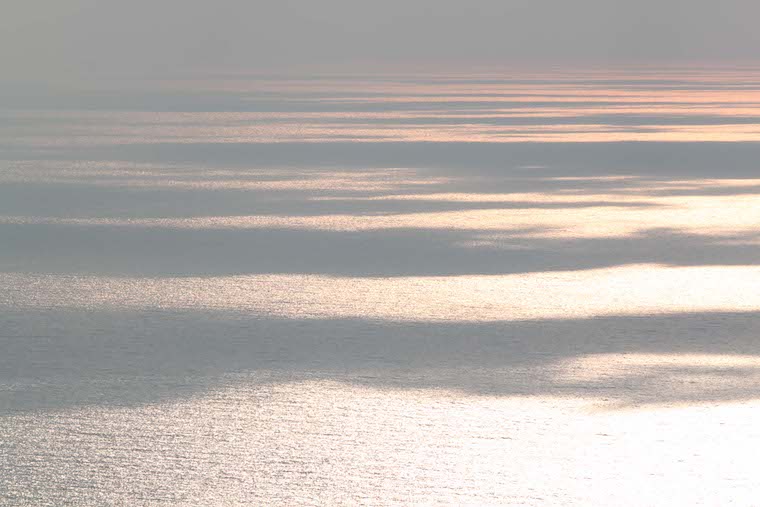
{"points": [[52, 39]]}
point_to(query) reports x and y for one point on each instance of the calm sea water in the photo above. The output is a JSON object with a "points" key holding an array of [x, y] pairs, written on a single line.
{"points": [[492, 289]]}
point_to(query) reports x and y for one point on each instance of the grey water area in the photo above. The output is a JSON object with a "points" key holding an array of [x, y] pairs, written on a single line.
{"points": [[380, 291]]}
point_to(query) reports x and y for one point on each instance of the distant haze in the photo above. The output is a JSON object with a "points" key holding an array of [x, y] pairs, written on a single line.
{"points": [[52, 39]]}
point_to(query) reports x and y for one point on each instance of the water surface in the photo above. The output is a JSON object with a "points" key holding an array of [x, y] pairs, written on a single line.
{"points": [[504, 288]]}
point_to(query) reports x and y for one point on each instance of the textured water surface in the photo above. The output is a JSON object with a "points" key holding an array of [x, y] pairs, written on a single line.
{"points": [[507, 288]]}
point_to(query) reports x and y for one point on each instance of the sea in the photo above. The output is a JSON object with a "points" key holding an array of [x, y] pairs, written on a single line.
{"points": [[502, 287]]}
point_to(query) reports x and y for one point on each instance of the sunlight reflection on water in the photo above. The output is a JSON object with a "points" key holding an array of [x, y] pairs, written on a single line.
{"points": [[592, 107], [630, 290], [325, 443], [189, 321]]}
